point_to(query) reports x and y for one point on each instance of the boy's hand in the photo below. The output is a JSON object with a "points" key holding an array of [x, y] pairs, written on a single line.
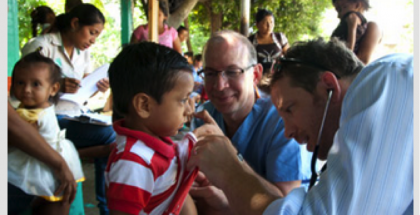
{"points": [[209, 128]]}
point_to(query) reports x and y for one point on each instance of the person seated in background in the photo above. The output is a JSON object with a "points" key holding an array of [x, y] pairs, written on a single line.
{"points": [[146, 171], [198, 66], [182, 33], [230, 73], [168, 36], [189, 56], [360, 36], [43, 16], [269, 45]]}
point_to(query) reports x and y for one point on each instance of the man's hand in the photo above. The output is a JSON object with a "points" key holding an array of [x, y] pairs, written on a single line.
{"points": [[70, 85], [103, 84], [68, 184]]}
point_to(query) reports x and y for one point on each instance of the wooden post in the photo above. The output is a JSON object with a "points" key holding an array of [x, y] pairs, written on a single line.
{"points": [[153, 21], [245, 10]]}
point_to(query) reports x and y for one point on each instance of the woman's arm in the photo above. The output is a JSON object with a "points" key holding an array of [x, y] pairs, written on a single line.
{"points": [[177, 45], [370, 40], [24, 137], [352, 21]]}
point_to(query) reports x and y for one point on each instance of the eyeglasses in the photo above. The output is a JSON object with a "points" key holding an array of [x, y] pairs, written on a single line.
{"points": [[210, 75], [277, 65]]}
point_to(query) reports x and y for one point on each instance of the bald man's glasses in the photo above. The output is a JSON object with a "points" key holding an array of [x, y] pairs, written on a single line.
{"points": [[211, 75], [277, 65]]}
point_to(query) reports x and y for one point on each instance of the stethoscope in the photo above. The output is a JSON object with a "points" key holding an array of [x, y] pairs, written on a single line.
{"points": [[315, 154]]}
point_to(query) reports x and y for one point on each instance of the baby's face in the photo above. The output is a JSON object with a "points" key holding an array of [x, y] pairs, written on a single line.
{"points": [[171, 114], [32, 85]]}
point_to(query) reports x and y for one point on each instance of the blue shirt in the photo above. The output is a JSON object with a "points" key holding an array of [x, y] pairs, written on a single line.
{"points": [[370, 164], [261, 141]]}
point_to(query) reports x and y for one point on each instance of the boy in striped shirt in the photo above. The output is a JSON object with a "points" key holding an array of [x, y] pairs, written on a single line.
{"points": [[146, 172]]}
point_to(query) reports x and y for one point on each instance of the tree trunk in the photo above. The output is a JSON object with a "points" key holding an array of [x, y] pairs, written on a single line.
{"points": [[186, 24], [177, 17], [216, 19]]}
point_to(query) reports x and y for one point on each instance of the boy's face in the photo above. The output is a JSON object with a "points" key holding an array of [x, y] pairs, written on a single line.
{"points": [[170, 115]]}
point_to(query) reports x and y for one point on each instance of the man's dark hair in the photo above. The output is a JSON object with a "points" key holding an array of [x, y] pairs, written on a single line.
{"points": [[317, 56], [145, 67], [34, 58], [365, 3]]}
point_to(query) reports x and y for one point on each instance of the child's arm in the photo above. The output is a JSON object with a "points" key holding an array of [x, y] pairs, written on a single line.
{"points": [[189, 207], [370, 40], [352, 21]]}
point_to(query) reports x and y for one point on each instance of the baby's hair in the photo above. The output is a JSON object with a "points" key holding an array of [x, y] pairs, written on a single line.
{"points": [[37, 57], [145, 67], [365, 3], [39, 17], [262, 13]]}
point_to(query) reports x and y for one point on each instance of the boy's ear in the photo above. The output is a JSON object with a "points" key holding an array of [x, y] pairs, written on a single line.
{"points": [[55, 88], [143, 104]]}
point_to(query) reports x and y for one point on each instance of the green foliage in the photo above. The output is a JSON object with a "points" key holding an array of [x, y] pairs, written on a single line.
{"points": [[297, 19]]}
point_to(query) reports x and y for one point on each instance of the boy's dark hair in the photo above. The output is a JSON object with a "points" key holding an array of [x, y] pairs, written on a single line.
{"points": [[145, 67], [39, 17], [197, 57], [365, 3], [87, 14], [262, 13], [37, 57], [181, 28]]}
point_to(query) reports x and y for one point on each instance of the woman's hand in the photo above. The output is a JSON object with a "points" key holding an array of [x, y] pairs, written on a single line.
{"points": [[70, 85], [68, 184], [103, 84]]}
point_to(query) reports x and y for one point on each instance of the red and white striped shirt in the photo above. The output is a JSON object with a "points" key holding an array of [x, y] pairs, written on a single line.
{"points": [[146, 175]]}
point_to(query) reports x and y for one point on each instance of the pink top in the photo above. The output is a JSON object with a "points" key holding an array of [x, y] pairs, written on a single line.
{"points": [[167, 38]]}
